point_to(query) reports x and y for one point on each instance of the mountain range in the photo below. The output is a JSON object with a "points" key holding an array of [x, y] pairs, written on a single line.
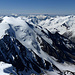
{"points": [[37, 45]]}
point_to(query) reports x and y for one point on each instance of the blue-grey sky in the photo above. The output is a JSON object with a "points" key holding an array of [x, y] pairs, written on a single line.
{"points": [[37, 6]]}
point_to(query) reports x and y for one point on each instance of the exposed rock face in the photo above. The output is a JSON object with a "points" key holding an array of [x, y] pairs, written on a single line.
{"points": [[13, 52]]}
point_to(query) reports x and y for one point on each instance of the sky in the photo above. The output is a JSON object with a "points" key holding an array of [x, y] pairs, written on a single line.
{"points": [[37, 6]]}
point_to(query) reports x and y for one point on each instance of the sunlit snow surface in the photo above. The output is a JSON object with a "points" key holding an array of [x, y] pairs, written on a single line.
{"points": [[6, 69]]}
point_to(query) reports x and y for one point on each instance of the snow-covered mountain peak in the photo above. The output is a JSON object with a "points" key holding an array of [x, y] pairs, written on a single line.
{"points": [[13, 22]]}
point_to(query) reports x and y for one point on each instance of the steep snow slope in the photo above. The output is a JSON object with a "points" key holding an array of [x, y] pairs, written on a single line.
{"points": [[33, 49]]}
